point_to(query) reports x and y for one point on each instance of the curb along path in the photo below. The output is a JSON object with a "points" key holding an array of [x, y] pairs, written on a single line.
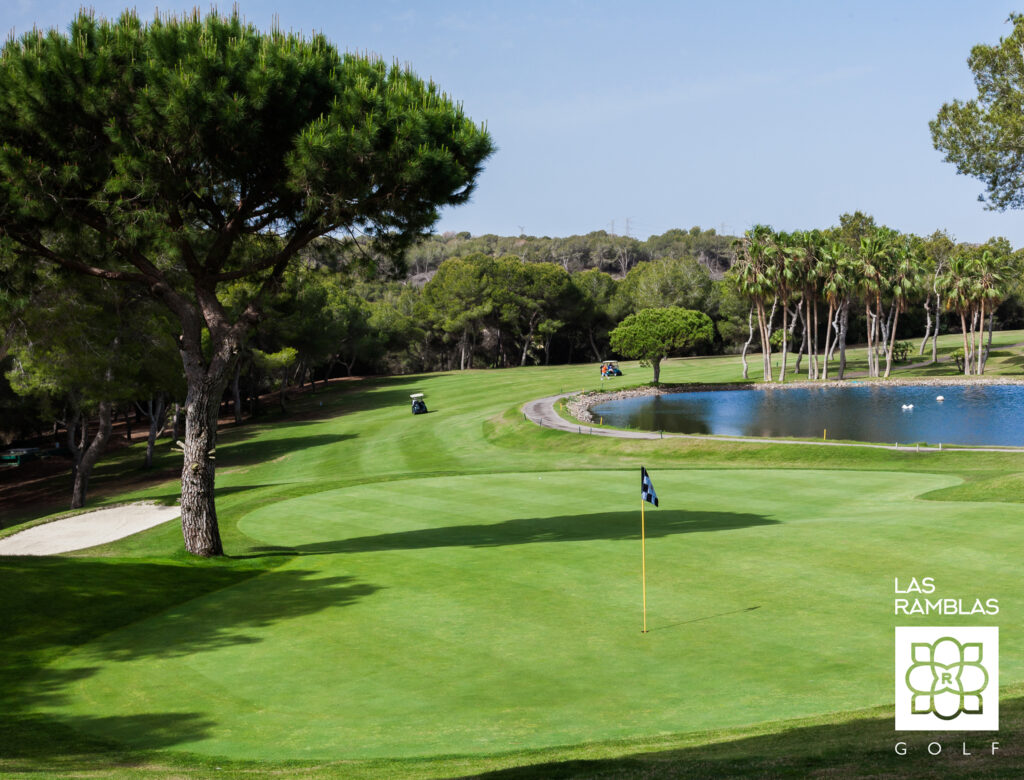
{"points": [[542, 412]]}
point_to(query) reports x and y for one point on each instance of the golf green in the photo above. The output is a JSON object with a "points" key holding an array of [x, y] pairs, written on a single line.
{"points": [[488, 613]]}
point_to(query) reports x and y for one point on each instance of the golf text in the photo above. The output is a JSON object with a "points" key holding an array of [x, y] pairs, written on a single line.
{"points": [[935, 748], [938, 606]]}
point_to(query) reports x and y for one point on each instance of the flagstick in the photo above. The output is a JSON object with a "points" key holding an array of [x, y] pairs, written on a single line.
{"points": [[643, 558]]}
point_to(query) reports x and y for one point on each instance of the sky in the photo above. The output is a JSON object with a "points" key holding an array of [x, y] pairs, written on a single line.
{"points": [[640, 117]]}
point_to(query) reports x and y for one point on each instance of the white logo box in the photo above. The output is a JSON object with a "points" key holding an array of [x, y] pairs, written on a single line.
{"points": [[947, 678]]}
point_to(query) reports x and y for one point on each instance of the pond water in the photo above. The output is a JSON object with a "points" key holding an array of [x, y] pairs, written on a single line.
{"points": [[990, 414]]}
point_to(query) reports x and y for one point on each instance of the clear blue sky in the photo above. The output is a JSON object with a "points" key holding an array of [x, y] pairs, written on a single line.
{"points": [[719, 114]]}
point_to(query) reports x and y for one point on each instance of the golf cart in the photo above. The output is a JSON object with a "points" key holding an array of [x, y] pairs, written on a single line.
{"points": [[610, 368], [419, 406]]}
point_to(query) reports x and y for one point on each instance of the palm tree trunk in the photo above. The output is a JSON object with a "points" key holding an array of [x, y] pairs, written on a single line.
{"points": [[988, 347], [981, 328], [828, 337], [750, 337], [963, 331], [871, 332], [799, 315], [769, 327], [844, 328], [892, 341], [928, 323], [814, 338], [782, 373]]}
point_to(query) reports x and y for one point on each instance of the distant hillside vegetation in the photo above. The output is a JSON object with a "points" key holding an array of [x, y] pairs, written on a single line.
{"points": [[609, 253]]}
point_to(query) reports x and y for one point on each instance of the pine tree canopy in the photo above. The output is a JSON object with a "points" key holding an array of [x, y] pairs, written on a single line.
{"points": [[177, 148]]}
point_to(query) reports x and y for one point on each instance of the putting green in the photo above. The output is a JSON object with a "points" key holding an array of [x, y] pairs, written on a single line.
{"points": [[478, 614]]}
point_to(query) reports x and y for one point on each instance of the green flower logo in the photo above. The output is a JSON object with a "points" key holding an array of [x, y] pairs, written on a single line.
{"points": [[946, 678]]}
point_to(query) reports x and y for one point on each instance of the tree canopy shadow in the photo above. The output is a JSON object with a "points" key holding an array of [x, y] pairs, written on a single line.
{"points": [[862, 747], [55, 605], [534, 530], [232, 454]]}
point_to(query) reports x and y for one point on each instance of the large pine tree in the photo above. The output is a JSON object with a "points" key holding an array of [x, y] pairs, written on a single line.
{"points": [[186, 153]]}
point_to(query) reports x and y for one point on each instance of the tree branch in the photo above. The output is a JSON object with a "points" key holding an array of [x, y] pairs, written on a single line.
{"points": [[38, 249]]}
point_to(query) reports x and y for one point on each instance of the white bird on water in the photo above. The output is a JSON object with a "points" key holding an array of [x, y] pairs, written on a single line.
{"points": [[907, 407], [939, 398]]}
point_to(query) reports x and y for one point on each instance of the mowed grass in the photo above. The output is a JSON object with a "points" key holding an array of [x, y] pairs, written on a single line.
{"points": [[467, 614], [460, 592]]}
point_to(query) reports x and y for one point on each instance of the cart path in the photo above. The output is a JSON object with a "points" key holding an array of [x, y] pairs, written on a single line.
{"points": [[542, 412], [87, 530]]}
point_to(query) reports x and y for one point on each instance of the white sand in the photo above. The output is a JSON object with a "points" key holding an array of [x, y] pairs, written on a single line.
{"points": [[87, 530]]}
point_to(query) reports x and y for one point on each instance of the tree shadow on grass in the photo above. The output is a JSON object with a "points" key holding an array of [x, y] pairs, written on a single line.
{"points": [[865, 747], [533, 530], [234, 454], [51, 606]]}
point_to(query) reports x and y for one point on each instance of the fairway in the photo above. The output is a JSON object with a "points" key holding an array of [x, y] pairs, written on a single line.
{"points": [[480, 613]]}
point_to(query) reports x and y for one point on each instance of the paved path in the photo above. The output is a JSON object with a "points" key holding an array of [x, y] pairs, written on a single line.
{"points": [[542, 412], [87, 530]]}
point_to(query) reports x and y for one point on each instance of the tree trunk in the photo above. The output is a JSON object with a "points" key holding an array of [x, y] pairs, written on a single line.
{"points": [[988, 347], [981, 329], [593, 345], [828, 339], [526, 342], [836, 321], [967, 354], [198, 512], [844, 326], [656, 365], [887, 327], [768, 328], [156, 413], [870, 330], [935, 333], [803, 340], [765, 368], [974, 337], [928, 323], [814, 336], [785, 333], [892, 342], [750, 337], [87, 459]]}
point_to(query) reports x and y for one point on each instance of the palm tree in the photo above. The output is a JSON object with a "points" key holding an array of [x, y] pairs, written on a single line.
{"points": [[991, 287], [755, 281], [956, 284], [874, 256], [780, 252], [809, 265], [836, 275], [904, 282]]}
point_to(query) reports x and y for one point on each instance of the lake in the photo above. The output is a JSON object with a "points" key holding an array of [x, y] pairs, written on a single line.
{"points": [[979, 414]]}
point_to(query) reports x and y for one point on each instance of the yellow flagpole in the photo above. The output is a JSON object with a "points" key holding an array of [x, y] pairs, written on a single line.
{"points": [[643, 559]]}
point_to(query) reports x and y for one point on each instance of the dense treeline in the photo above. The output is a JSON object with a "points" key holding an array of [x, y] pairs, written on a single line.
{"points": [[78, 354], [600, 250]]}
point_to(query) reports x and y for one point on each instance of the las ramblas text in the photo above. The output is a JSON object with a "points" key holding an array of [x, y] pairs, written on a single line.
{"points": [[921, 599]]}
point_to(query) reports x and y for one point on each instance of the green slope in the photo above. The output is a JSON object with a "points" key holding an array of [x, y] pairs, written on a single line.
{"points": [[465, 583]]}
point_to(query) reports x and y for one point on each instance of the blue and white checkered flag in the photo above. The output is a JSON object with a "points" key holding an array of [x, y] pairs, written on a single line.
{"points": [[647, 488]]}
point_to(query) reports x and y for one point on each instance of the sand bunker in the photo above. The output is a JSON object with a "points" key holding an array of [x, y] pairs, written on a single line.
{"points": [[87, 530]]}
